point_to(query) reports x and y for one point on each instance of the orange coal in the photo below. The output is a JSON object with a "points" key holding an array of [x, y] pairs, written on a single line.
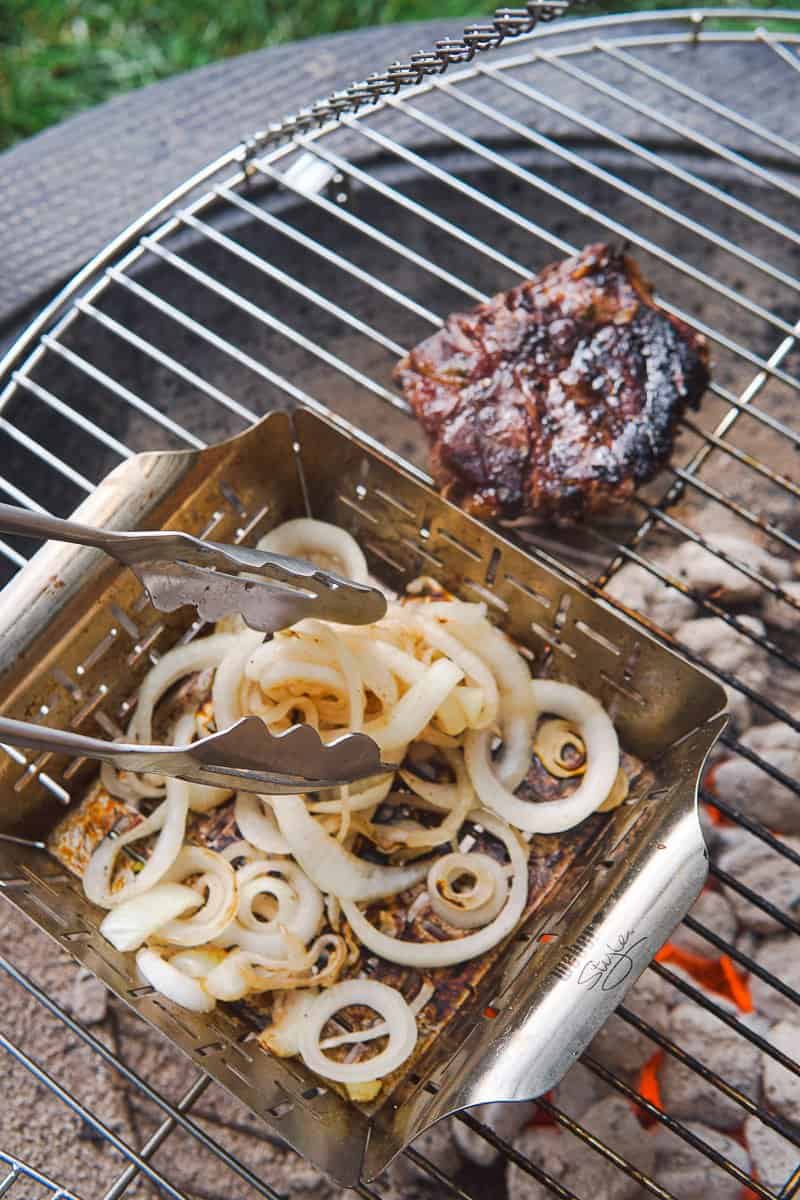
{"points": [[648, 1087], [717, 975]]}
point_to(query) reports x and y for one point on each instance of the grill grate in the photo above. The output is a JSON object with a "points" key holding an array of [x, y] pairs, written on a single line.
{"points": [[17, 1173], [304, 274]]}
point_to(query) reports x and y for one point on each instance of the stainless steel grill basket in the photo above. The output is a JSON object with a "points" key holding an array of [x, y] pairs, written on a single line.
{"points": [[78, 634]]}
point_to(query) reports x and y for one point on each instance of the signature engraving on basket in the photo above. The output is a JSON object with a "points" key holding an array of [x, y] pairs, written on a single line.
{"points": [[614, 964], [610, 964]]}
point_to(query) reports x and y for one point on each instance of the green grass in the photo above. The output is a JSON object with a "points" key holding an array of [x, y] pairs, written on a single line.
{"points": [[60, 56]]}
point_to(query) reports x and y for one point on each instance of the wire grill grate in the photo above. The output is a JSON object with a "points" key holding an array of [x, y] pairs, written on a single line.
{"points": [[303, 276]]}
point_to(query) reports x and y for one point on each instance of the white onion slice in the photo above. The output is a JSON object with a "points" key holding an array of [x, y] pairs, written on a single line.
{"points": [[602, 763], [172, 983], [169, 821], [421, 836], [358, 801], [327, 546], [201, 798], [301, 918], [197, 961], [444, 954], [241, 850], [443, 796], [357, 1036], [242, 971], [183, 660], [386, 1001], [416, 708], [255, 818], [289, 1013], [337, 648], [476, 906], [517, 705], [477, 673], [331, 866], [131, 923], [225, 690], [217, 878]]}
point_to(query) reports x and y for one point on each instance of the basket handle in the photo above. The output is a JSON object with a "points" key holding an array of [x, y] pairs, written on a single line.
{"points": [[476, 38]]}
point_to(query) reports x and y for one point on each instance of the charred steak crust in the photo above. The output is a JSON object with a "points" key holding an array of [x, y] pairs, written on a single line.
{"points": [[559, 397]]}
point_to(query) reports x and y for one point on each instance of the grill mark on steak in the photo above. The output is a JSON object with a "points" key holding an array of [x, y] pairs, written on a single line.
{"points": [[559, 397]]}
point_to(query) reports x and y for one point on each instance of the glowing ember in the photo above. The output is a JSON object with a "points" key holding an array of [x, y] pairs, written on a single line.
{"points": [[716, 975], [649, 1089]]}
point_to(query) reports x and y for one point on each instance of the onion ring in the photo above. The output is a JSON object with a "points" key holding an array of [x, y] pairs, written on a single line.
{"points": [[416, 708], [169, 821], [475, 907], [445, 954], [300, 917], [217, 878], [174, 665], [226, 688], [327, 546], [602, 763], [517, 711], [384, 1000]]}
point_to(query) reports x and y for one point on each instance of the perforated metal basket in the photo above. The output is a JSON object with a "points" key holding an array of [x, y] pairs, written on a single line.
{"points": [[77, 635]]}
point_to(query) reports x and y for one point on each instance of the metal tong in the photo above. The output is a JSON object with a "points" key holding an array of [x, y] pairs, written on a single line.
{"points": [[177, 569], [245, 757]]}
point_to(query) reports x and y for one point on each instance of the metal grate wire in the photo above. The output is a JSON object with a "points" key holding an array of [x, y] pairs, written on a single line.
{"points": [[420, 206]]}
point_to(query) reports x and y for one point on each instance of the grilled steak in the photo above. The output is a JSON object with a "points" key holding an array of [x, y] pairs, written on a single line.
{"points": [[559, 397]]}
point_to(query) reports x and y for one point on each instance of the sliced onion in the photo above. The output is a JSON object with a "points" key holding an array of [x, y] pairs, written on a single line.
{"points": [[131, 923], [172, 983], [217, 878], [290, 1011], [327, 546], [472, 908], [376, 676], [300, 918], [225, 690], [348, 665], [443, 796], [416, 708], [241, 850], [169, 821], [198, 961], [475, 669], [289, 671], [358, 1036], [445, 954], [401, 833], [174, 665], [358, 800], [517, 706], [243, 972], [332, 867], [552, 739], [602, 763], [386, 1001], [255, 818], [201, 798]]}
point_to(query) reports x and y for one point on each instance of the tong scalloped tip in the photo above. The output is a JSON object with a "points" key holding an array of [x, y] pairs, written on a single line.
{"points": [[178, 569]]}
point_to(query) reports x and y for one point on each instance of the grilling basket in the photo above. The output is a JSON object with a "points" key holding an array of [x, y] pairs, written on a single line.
{"points": [[78, 635]]}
